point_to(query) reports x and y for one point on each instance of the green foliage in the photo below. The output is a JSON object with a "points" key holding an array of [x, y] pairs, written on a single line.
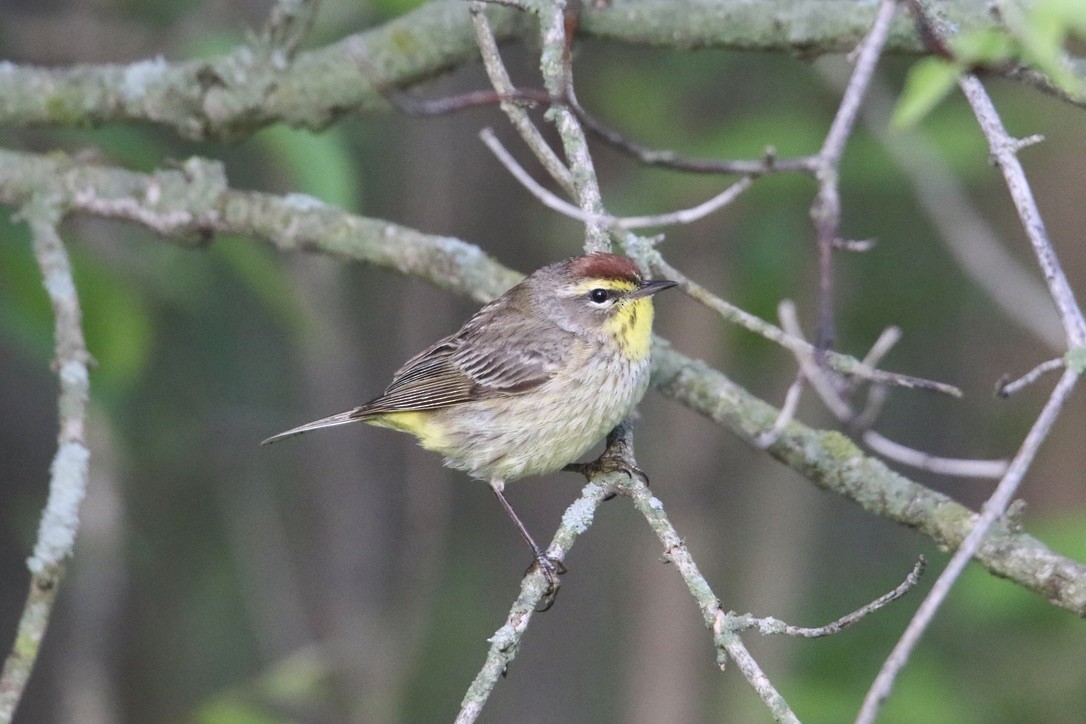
{"points": [[1035, 38], [929, 81]]}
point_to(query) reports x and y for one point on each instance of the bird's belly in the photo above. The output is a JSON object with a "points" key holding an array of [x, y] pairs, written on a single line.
{"points": [[541, 431]]}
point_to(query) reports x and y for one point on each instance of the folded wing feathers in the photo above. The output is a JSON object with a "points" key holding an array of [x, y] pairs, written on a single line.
{"points": [[452, 372]]}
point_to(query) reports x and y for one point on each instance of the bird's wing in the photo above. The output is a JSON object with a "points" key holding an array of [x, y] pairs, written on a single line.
{"points": [[480, 361]]}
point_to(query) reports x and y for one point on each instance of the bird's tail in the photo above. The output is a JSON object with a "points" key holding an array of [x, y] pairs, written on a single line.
{"points": [[339, 419]]}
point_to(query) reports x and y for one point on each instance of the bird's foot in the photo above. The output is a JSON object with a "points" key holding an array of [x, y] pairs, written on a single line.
{"points": [[551, 568], [608, 463]]}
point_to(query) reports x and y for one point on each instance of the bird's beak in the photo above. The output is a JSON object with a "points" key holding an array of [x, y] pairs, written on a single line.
{"points": [[650, 287]]}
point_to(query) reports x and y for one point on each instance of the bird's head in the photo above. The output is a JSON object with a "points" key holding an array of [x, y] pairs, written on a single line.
{"points": [[601, 295]]}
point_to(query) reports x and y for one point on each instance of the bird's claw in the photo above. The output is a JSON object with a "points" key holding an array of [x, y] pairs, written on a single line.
{"points": [[608, 464], [551, 568]]}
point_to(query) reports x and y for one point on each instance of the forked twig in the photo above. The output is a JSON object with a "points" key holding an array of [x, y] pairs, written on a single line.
{"points": [[770, 625]]}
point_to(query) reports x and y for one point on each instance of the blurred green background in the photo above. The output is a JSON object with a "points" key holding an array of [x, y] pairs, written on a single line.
{"points": [[347, 576]]}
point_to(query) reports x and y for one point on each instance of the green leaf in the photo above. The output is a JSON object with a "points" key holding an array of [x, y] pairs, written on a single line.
{"points": [[928, 82], [984, 47]]}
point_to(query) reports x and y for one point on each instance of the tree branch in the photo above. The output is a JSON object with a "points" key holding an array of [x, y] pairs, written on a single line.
{"points": [[234, 95]]}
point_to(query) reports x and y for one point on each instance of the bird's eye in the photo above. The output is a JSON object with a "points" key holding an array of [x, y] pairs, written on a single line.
{"points": [[599, 296]]}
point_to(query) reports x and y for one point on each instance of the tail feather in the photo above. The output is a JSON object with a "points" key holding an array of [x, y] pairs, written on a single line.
{"points": [[341, 418]]}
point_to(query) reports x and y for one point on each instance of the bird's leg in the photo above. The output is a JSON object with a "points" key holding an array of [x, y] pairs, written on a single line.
{"points": [[551, 568]]}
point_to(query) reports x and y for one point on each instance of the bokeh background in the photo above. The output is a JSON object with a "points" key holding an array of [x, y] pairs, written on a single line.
{"points": [[347, 576]]}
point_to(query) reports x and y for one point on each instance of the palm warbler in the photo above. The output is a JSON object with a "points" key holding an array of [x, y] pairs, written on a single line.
{"points": [[531, 382]]}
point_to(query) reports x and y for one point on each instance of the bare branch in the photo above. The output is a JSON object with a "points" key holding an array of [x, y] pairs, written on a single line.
{"points": [[769, 163], [675, 552], [545, 197], [1003, 149], [842, 410], [886, 341], [548, 199], [958, 467], [686, 216]]}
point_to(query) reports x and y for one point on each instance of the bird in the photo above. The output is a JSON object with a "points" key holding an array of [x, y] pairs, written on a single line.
{"points": [[530, 383]]}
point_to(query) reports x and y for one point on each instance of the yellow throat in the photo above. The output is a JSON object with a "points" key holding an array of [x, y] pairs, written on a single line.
{"points": [[630, 324]]}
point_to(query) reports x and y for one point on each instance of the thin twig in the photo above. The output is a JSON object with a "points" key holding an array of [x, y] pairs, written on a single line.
{"points": [[787, 413], [1004, 149], [770, 625], [842, 363], [413, 105], [1006, 389], [545, 197], [769, 163], [826, 209], [958, 467], [551, 201], [503, 84], [819, 378], [686, 216], [839, 406], [885, 342], [876, 393], [68, 473]]}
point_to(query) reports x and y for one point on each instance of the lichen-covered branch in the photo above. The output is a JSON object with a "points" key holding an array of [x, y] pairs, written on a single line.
{"points": [[833, 462], [238, 93], [186, 204], [233, 95], [68, 473]]}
